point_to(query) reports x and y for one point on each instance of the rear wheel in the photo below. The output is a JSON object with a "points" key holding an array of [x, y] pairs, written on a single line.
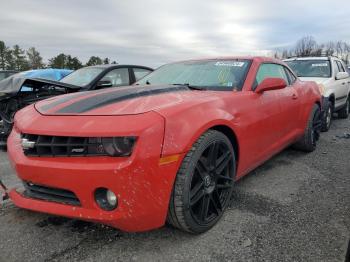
{"points": [[312, 132], [203, 185], [344, 112]]}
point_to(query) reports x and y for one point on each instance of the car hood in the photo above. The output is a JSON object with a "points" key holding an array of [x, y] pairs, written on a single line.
{"points": [[128, 100], [318, 80], [13, 84]]}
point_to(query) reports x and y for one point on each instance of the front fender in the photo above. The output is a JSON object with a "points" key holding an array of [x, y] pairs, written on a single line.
{"points": [[184, 128]]}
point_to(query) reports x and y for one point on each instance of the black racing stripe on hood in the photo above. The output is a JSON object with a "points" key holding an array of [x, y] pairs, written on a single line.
{"points": [[119, 95], [61, 100]]}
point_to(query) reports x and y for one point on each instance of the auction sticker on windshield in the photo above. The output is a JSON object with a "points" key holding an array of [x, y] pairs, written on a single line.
{"points": [[236, 64], [323, 64]]}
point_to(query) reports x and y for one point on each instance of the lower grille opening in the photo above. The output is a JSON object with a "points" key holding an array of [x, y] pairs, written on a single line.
{"points": [[50, 194]]}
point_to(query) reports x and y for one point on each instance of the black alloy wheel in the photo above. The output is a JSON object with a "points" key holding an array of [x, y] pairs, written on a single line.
{"points": [[204, 184], [211, 183]]}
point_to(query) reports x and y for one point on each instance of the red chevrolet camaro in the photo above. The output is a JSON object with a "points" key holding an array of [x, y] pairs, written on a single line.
{"points": [[166, 149]]}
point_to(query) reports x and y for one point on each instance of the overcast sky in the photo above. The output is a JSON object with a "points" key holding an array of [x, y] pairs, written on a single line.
{"points": [[153, 32]]}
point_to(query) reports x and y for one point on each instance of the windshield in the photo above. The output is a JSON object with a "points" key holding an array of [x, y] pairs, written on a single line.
{"points": [[311, 68], [211, 74], [82, 77]]}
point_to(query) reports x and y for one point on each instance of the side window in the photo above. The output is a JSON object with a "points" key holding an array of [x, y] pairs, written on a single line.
{"points": [[270, 70], [140, 73], [340, 66], [118, 77], [336, 68]]}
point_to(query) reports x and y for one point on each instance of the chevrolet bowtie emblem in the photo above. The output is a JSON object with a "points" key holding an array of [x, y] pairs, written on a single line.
{"points": [[26, 144]]}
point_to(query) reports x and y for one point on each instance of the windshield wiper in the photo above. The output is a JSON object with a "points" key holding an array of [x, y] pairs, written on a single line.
{"points": [[193, 87]]}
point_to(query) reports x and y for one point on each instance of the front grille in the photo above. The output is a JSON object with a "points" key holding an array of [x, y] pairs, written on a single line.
{"points": [[63, 146], [50, 194]]}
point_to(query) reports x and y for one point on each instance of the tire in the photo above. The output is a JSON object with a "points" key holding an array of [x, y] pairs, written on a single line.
{"points": [[202, 190], [327, 116], [312, 132], [344, 112]]}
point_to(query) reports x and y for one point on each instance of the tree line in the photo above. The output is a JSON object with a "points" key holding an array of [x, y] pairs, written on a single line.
{"points": [[308, 46], [16, 58]]}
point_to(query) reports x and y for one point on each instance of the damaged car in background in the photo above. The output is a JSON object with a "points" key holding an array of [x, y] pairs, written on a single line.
{"points": [[6, 73], [19, 90]]}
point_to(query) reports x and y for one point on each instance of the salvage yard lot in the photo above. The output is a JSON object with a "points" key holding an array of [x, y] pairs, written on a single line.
{"points": [[295, 207]]}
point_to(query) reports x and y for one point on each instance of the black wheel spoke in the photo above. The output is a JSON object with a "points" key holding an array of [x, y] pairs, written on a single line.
{"points": [[213, 154], [196, 193], [225, 178], [205, 208], [223, 162], [223, 186], [216, 202], [202, 168]]}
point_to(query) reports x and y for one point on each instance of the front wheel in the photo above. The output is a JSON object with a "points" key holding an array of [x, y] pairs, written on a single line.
{"points": [[204, 184], [312, 131], [327, 116]]}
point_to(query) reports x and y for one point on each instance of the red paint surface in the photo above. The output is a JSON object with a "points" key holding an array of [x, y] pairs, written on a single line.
{"points": [[165, 124]]}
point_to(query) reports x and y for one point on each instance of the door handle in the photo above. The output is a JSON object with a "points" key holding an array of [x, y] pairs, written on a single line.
{"points": [[294, 96], [343, 83]]}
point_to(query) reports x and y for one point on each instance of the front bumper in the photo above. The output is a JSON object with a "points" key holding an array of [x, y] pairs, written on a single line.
{"points": [[141, 182]]}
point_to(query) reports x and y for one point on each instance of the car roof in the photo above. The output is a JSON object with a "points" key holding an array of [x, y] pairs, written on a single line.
{"points": [[115, 66], [255, 58], [321, 58]]}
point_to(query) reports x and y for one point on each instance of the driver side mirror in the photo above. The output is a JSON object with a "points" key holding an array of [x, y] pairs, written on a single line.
{"points": [[341, 75], [269, 84], [103, 84]]}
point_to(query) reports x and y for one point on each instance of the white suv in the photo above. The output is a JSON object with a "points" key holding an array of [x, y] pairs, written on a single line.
{"points": [[334, 81]]}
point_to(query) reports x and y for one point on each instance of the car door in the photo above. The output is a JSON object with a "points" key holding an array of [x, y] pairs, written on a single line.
{"points": [[290, 104], [117, 77], [287, 99], [343, 85], [340, 89], [271, 117]]}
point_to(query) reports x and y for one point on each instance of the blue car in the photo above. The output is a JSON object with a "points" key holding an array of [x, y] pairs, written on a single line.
{"points": [[47, 74]]}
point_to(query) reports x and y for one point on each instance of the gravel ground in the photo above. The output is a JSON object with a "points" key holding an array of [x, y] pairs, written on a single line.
{"points": [[295, 207]]}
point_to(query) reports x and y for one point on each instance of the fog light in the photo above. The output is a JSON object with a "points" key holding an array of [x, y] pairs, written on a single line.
{"points": [[106, 199]]}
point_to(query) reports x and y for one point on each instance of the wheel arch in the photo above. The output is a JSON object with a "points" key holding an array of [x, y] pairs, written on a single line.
{"points": [[331, 98]]}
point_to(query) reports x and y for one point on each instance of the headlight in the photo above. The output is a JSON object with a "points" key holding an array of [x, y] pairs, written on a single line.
{"points": [[118, 146]]}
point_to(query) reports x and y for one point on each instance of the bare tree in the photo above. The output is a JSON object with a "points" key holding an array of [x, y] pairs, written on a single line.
{"points": [[305, 46]]}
